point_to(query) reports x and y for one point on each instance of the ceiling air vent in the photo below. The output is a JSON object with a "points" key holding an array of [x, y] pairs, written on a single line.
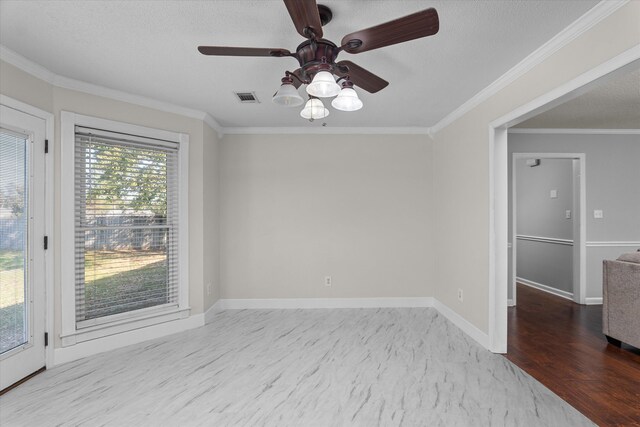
{"points": [[247, 97]]}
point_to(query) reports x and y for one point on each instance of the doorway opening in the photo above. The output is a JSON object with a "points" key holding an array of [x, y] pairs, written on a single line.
{"points": [[548, 226], [499, 279]]}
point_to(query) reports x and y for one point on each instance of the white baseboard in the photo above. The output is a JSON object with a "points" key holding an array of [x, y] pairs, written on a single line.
{"points": [[112, 342], [212, 311], [545, 288], [310, 303], [462, 323], [593, 300], [293, 303]]}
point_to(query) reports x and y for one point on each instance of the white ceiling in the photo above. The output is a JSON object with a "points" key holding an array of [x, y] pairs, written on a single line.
{"points": [[148, 48], [614, 104]]}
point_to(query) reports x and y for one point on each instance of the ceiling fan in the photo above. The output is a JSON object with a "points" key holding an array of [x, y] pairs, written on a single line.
{"points": [[317, 57]]}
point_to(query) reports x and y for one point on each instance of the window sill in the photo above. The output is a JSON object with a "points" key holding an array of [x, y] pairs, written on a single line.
{"points": [[124, 325]]}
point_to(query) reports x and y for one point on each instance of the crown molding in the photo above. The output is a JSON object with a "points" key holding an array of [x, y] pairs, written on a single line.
{"points": [[26, 65], [48, 76], [213, 123], [627, 60], [42, 73], [117, 95], [582, 24], [301, 130], [575, 131], [596, 14]]}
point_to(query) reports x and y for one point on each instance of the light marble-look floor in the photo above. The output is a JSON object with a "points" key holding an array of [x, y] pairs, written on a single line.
{"points": [[341, 367]]}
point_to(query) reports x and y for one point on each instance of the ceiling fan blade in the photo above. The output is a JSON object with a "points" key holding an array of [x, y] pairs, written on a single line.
{"points": [[304, 14], [361, 77], [420, 24], [242, 51]]}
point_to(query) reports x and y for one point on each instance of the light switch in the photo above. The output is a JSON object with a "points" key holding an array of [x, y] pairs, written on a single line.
{"points": [[553, 194], [598, 214], [567, 214]]}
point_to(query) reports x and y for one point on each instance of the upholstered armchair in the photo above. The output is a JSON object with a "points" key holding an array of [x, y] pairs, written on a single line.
{"points": [[621, 300]]}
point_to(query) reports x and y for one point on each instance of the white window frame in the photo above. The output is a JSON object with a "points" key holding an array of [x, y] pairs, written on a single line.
{"points": [[70, 334]]}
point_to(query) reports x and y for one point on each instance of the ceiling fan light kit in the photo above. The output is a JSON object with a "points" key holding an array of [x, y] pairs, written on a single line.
{"points": [[317, 57], [323, 85], [287, 95], [347, 99], [314, 109]]}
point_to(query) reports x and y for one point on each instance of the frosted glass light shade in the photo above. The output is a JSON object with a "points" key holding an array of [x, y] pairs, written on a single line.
{"points": [[287, 96], [323, 85], [314, 109], [347, 100]]}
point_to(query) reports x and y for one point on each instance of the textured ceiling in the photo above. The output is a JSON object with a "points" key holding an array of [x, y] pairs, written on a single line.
{"points": [[615, 104], [148, 48]]}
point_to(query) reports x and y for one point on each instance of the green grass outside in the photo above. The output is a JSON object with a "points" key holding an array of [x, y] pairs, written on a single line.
{"points": [[10, 260], [11, 278], [148, 279], [108, 276], [11, 326], [11, 299], [101, 264]]}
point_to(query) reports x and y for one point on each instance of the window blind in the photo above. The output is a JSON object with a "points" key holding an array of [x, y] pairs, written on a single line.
{"points": [[126, 224], [14, 269]]}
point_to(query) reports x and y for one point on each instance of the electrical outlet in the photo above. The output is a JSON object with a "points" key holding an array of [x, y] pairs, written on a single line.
{"points": [[567, 214], [209, 288], [327, 280], [460, 295], [598, 214]]}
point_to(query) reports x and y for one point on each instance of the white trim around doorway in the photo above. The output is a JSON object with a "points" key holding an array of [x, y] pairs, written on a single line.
{"points": [[498, 180]]}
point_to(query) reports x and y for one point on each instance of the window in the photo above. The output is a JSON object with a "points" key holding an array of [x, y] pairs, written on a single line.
{"points": [[126, 224], [127, 231]]}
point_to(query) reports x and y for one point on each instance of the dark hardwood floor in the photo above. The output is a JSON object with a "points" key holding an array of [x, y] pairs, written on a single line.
{"points": [[561, 344]]}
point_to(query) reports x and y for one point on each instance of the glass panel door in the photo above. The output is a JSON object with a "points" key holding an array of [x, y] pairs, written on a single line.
{"points": [[22, 255], [14, 199]]}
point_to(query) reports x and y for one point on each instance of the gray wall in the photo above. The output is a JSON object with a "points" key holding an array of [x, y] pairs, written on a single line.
{"points": [[612, 177], [548, 264], [295, 209], [539, 215]]}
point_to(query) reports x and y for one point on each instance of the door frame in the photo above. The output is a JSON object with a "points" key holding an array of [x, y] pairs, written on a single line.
{"points": [[499, 180], [579, 206], [49, 192]]}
